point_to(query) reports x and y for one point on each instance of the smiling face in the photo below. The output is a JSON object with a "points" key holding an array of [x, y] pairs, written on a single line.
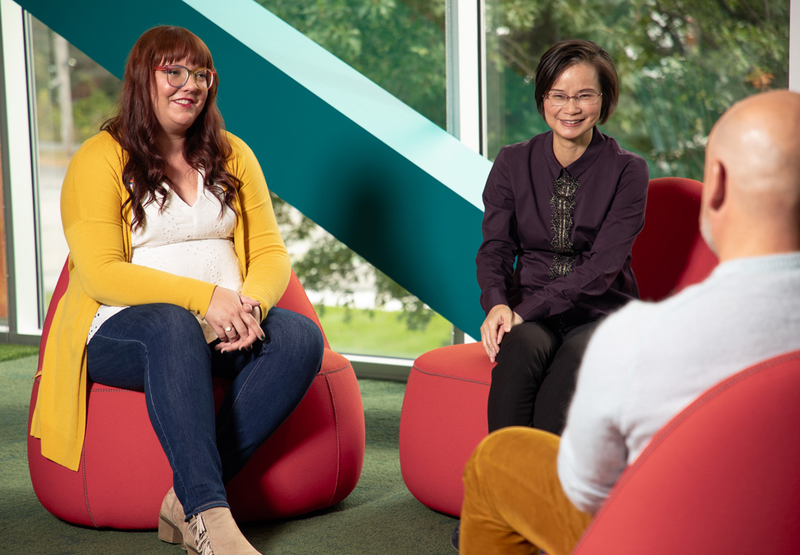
{"points": [[176, 108], [574, 122]]}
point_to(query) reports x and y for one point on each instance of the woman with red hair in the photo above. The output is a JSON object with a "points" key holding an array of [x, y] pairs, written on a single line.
{"points": [[176, 264]]}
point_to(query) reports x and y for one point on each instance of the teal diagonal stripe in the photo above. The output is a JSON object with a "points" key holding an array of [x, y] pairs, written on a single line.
{"points": [[381, 178]]}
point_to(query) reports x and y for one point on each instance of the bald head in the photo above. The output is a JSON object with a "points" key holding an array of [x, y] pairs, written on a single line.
{"points": [[751, 194]]}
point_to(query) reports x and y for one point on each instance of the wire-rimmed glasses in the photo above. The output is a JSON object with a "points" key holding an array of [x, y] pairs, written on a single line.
{"points": [[178, 76], [586, 98]]}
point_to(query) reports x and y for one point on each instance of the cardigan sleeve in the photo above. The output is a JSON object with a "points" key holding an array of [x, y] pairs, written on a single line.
{"points": [[597, 269], [91, 210], [498, 251], [264, 256]]}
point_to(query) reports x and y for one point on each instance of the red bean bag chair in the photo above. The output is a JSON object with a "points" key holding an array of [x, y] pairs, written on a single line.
{"points": [[721, 477], [444, 408], [311, 462]]}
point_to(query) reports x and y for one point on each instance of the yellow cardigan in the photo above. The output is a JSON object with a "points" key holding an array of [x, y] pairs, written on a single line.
{"points": [[100, 272]]}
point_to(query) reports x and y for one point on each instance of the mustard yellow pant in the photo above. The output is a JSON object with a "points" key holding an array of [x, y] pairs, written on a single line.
{"points": [[513, 501]]}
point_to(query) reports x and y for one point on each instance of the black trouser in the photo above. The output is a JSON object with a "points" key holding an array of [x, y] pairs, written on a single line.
{"points": [[533, 382]]}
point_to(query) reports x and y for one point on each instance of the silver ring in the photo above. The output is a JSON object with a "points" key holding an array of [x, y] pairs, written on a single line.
{"points": [[228, 329]]}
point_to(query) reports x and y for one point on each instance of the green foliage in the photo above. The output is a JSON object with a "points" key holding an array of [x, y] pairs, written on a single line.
{"points": [[415, 313], [91, 111], [681, 64], [94, 91], [329, 265], [399, 45]]}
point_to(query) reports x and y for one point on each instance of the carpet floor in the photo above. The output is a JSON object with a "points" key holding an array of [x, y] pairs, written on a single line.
{"points": [[380, 517]]}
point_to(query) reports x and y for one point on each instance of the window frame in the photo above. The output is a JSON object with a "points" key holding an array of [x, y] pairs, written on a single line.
{"points": [[19, 161], [466, 97]]}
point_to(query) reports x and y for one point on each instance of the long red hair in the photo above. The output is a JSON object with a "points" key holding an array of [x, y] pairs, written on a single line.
{"points": [[136, 128]]}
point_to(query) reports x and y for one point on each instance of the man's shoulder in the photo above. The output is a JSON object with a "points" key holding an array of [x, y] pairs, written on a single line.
{"points": [[638, 325], [630, 319], [640, 314]]}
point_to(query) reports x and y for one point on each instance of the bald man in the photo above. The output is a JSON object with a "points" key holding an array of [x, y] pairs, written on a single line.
{"points": [[525, 489]]}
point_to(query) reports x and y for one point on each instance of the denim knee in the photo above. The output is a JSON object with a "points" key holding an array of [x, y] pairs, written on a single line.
{"points": [[172, 321], [295, 333], [134, 338]]}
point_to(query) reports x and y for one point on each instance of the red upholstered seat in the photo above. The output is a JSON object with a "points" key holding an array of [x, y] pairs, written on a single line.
{"points": [[444, 409], [670, 253], [311, 462], [442, 421], [721, 477]]}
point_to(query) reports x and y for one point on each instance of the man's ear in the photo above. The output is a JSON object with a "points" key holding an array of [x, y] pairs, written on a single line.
{"points": [[717, 185]]}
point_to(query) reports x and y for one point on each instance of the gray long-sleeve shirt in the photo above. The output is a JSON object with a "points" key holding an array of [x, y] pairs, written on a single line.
{"points": [[648, 361]]}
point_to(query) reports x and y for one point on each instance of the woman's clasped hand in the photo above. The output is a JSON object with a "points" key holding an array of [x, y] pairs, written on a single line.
{"points": [[177, 265], [235, 319]]}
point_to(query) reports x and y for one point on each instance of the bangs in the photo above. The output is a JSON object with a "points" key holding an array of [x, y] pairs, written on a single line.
{"points": [[176, 44]]}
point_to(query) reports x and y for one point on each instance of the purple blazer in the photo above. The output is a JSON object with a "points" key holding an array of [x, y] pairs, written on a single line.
{"points": [[557, 241]]}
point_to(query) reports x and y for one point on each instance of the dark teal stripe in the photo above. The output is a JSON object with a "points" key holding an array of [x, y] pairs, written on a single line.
{"points": [[370, 197]]}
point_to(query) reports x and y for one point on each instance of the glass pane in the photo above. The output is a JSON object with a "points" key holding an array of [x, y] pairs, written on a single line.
{"points": [[74, 95], [400, 46], [680, 66], [3, 260]]}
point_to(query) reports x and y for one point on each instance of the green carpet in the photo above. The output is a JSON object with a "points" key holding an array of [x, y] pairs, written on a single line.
{"points": [[379, 517]]}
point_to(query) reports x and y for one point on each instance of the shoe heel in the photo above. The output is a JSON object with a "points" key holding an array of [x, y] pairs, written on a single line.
{"points": [[167, 532]]}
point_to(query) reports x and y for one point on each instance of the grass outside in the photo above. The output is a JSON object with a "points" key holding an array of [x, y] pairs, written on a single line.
{"points": [[12, 352], [380, 333], [377, 333]]}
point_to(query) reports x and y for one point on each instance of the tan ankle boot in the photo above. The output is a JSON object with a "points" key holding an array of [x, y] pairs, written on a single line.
{"points": [[172, 525], [216, 533]]}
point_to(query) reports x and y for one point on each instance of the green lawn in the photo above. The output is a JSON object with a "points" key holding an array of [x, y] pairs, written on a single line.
{"points": [[376, 333], [11, 352], [381, 333]]}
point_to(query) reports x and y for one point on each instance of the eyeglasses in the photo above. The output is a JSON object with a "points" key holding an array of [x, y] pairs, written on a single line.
{"points": [[178, 76], [583, 99]]}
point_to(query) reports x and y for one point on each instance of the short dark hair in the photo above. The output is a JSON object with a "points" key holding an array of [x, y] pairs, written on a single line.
{"points": [[567, 53]]}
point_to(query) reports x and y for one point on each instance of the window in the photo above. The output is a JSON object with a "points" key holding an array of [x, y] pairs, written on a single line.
{"points": [[363, 311], [401, 47], [680, 66], [74, 95], [3, 258]]}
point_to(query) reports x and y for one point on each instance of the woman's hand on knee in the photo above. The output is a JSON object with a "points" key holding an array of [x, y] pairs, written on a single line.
{"points": [[498, 322], [235, 319]]}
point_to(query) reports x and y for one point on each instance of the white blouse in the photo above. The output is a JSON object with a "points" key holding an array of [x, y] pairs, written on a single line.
{"points": [[190, 241]]}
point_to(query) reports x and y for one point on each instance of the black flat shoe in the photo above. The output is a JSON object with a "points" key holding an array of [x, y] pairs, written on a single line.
{"points": [[454, 536]]}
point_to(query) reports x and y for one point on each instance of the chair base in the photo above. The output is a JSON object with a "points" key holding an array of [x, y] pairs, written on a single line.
{"points": [[311, 462], [443, 420]]}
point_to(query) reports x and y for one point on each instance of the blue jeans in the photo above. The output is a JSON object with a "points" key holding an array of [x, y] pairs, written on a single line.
{"points": [[160, 349]]}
